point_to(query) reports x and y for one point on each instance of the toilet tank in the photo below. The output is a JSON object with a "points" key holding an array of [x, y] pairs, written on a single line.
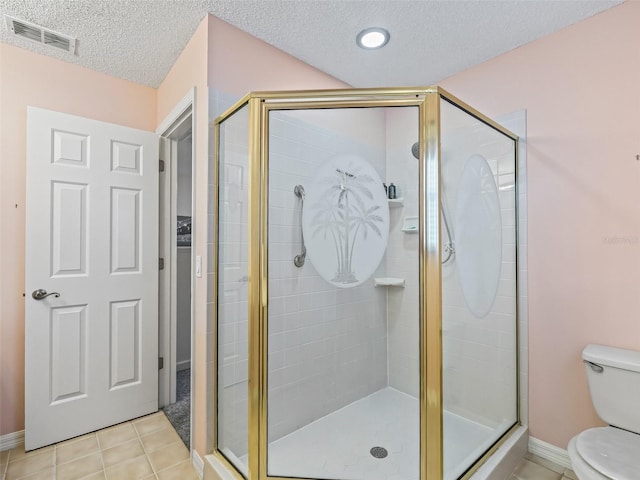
{"points": [[614, 381]]}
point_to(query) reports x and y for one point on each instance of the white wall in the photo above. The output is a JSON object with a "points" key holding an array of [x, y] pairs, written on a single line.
{"points": [[183, 262], [184, 176], [183, 307]]}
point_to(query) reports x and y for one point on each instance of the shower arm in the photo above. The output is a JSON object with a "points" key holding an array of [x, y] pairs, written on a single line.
{"points": [[298, 260]]}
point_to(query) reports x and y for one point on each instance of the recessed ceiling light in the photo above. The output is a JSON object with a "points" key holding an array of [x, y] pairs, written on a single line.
{"points": [[371, 38]]}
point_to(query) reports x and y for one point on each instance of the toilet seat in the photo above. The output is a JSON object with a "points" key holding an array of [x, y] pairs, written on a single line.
{"points": [[605, 453]]}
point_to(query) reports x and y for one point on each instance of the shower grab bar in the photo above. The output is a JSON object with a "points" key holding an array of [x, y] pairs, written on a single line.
{"points": [[298, 260]]}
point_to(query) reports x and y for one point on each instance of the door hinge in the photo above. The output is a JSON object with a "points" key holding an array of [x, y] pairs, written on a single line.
{"points": [[161, 264], [162, 165], [160, 363]]}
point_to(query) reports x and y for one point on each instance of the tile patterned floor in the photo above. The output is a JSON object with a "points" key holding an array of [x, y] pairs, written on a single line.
{"points": [[145, 448], [533, 467], [149, 448]]}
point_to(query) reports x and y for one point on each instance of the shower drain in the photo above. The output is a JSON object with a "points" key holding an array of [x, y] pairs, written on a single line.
{"points": [[379, 452]]}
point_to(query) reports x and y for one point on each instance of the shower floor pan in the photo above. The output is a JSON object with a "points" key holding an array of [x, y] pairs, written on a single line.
{"points": [[338, 445]]}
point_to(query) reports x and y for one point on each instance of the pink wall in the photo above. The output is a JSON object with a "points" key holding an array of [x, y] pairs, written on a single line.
{"points": [[240, 63], [581, 89], [190, 70], [27, 78]]}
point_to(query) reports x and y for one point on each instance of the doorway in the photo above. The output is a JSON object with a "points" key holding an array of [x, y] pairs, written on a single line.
{"points": [[177, 272]]}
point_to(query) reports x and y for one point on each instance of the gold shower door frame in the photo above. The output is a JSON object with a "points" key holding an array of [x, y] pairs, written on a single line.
{"points": [[428, 101]]}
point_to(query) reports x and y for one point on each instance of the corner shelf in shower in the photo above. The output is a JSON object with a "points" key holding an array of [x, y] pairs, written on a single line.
{"points": [[388, 282], [410, 225], [396, 202]]}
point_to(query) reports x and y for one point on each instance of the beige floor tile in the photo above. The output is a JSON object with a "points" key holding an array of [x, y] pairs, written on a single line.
{"points": [[168, 456], [528, 470], [159, 438], [73, 450], [46, 474], [4, 461], [29, 464], [570, 474], [182, 471], [80, 468], [151, 423], [121, 453], [110, 437], [18, 453], [96, 476], [544, 462], [133, 469]]}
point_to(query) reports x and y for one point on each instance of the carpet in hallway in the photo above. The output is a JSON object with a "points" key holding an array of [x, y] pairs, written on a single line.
{"points": [[179, 413]]}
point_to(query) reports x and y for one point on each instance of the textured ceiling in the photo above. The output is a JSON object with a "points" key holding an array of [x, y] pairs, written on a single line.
{"points": [[139, 40]]}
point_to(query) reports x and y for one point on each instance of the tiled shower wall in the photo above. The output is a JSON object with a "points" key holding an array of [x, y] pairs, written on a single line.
{"points": [[402, 253], [327, 345]]}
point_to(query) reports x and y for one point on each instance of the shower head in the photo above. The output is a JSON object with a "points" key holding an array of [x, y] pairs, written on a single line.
{"points": [[415, 149]]}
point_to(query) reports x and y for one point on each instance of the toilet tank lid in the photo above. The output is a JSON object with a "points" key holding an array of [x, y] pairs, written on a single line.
{"points": [[612, 357]]}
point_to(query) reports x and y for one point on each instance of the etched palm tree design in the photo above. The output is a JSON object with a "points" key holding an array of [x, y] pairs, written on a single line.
{"points": [[343, 213]]}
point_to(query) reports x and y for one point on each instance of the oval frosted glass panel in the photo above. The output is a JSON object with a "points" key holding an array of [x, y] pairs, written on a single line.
{"points": [[345, 221], [478, 235]]}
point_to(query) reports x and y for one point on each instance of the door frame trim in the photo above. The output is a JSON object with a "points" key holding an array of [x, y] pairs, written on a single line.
{"points": [[167, 318]]}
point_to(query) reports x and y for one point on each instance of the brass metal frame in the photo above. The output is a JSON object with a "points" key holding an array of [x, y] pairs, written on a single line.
{"points": [[260, 104], [431, 465]]}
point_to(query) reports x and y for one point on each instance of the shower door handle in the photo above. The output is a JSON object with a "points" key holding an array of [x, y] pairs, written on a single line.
{"points": [[298, 260]]}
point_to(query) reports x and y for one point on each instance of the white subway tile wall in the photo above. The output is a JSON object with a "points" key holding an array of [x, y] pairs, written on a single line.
{"points": [[402, 254], [327, 345]]}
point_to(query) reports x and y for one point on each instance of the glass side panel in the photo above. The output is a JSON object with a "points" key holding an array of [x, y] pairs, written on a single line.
{"points": [[343, 329], [232, 326], [478, 287]]}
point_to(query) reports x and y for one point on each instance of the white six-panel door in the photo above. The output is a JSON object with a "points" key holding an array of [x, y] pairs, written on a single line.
{"points": [[91, 236]]}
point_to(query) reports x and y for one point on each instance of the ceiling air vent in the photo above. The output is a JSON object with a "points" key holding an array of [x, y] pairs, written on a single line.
{"points": [[36, 33]]}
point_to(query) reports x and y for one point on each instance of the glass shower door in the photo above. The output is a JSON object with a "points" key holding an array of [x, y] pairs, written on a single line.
{"points": [[232, 315], [343, 366], [479, 295]]}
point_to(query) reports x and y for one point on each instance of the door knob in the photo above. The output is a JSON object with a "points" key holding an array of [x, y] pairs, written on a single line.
{"points": [[40, 294]]}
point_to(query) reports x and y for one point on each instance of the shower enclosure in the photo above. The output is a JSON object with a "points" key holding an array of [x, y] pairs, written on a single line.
{"points": [[363, 330]]}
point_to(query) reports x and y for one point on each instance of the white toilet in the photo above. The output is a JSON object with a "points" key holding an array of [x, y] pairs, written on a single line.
{"points": [[611, 452]]}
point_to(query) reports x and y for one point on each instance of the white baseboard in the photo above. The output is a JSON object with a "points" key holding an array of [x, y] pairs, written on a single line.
{"points": [[197, 463], [183, 365], [549, 452], [11, 440]]}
